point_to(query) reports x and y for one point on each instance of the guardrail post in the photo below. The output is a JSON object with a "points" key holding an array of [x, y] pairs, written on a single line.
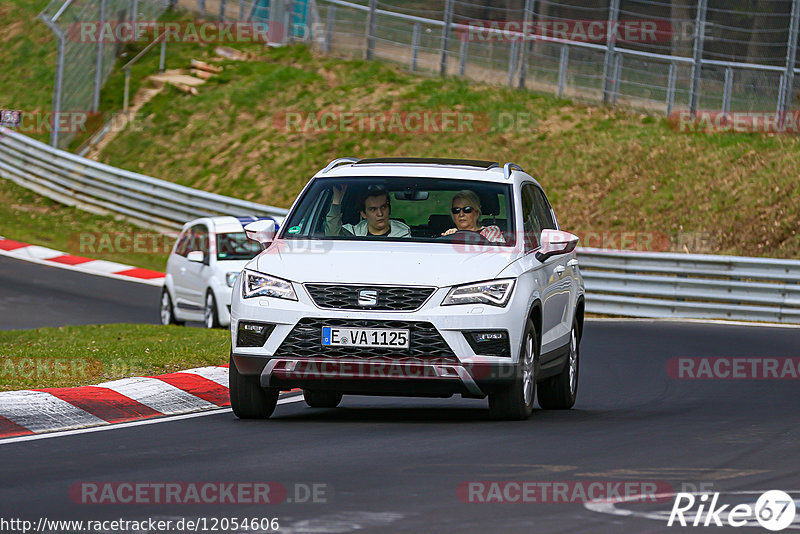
{"points": [[697, 59], [611, 41], [617, 78], [726, 90], [523, 59], [127, 90], [162, 60], [512, 62], [98, 64], [415, 36], [462, 56], [371, 25], [330, 22], [785, 97], [448, 20], [671, 79], [562, 70]]}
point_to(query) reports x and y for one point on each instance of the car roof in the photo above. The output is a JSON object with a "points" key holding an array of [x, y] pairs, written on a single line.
{"points": [[464, 169], [225, 224]]}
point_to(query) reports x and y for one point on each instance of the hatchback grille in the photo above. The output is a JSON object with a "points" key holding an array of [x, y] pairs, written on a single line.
{"points": [[390, 298], [425, 342]]}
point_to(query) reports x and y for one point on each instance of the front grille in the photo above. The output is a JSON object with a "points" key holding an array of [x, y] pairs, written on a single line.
{"points": [[390, 298], [425, 342]]}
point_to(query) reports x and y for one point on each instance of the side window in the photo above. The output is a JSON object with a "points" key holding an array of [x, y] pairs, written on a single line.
{"points": [[182, 249], [530, 223], [542, 207], [197, 239]]}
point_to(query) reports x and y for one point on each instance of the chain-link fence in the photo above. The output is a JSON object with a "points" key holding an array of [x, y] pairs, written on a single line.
{"points": [[661, 55], [84, 59]]}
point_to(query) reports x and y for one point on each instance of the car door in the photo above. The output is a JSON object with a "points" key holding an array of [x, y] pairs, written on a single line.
{"points": [[195, 276], [556, 316]]}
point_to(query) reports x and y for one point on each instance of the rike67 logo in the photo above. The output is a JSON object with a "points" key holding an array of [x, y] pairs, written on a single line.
{"points": [[774, 510]]}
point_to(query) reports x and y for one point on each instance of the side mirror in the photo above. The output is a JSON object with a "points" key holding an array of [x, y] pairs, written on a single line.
{"points": [[555, 242], [196, 256], [261, 231]]}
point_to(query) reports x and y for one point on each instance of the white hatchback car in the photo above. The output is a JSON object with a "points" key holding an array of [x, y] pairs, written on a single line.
{"points": [[416, 277], [202, 267]]}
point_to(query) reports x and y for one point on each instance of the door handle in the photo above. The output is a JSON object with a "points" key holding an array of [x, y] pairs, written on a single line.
{"points": [[183, 270], [560, 269], [572, 263]]}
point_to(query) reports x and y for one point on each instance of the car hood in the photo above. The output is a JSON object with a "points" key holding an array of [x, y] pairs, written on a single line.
{"points": [[229, 266], [363, 262]]}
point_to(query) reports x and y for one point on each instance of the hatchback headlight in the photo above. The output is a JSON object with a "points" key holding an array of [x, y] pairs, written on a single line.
{"points": [[493, 292], [262, 285]]}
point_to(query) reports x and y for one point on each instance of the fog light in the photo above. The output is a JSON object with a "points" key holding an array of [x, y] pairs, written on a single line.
{"points": [[489, 342], [252, 334]]}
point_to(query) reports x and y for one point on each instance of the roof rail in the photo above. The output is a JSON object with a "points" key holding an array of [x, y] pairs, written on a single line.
{"points": [[432, 161], [508, 167], [339, 161]]}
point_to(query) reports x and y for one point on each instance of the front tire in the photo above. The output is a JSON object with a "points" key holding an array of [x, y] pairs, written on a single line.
{"points": [[167, 311], [210, 315], [515, 401], [248, 399], [322, 399], [559, 392]]}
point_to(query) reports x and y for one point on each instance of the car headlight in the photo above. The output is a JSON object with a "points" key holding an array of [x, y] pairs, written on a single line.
{"points": [[494, 293], [262, 285], [230, 279]]}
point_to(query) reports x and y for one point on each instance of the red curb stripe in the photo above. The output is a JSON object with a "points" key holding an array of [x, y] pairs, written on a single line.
{"points": [[138, 272], [196, 385], [7, 244], [104, 403], [10, 429], [69, 259]]}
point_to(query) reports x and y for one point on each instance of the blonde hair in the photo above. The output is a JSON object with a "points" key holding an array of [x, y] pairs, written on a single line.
{"points": [[470, 197]]}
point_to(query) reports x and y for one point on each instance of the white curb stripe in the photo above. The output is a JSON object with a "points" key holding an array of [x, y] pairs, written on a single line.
{"points": [[42, 412], [213, 373], [103, 266], [37, 252], [158, 395]]}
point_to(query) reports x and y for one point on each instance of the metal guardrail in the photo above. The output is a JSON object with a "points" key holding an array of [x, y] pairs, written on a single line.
{"points": [[636, 284], [647, 284], [100, 188]]}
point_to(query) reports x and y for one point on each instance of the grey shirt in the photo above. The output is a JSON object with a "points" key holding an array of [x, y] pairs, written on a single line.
{"points": [[334, 226]]}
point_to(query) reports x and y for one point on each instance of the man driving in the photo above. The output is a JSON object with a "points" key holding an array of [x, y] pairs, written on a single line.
{"points": [[375, 210]]}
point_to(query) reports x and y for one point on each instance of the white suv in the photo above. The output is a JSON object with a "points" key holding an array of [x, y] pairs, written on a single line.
{"points": [[416, 277], [202, 267]]}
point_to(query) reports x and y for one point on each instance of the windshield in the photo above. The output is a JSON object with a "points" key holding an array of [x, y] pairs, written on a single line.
{"points": [[404, 209], [236, 246]]}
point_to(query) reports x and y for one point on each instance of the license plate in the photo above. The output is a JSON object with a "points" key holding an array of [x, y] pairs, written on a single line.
{"points": [[365, 337]]}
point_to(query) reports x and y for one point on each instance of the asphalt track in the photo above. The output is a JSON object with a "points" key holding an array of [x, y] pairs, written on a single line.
{"points": [[394, 464]]}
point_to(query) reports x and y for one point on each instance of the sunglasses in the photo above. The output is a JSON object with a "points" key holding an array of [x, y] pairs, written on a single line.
{"points": [[467, 209]]}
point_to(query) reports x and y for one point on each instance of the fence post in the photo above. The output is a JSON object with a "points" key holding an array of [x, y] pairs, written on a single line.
{"points": [[222, 6], [512, 61], [785, 99], [57, 92], [523, 58], [448, 19], [699, 38], [415, 36], [241, 10], [201, 6], [462, 56], [135, 11], [671, 79], [726, 90], [617, 78], [371, 22], [162, 60], [125, 97], [611, 41], [562, 70], [98, 64], [330, 22]]}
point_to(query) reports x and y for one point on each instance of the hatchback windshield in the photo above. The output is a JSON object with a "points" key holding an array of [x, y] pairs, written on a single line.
{"points": [[404, 209], [236, 246]]}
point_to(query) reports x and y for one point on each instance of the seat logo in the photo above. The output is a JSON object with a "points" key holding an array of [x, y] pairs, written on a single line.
{"points": [[367, 297]]}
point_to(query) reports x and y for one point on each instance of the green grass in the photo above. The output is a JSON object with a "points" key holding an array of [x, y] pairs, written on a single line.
{"points": [[79, 355], [31, 218]]}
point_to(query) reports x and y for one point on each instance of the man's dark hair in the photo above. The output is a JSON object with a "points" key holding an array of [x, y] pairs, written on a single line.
{"points": [[374, 191]]}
